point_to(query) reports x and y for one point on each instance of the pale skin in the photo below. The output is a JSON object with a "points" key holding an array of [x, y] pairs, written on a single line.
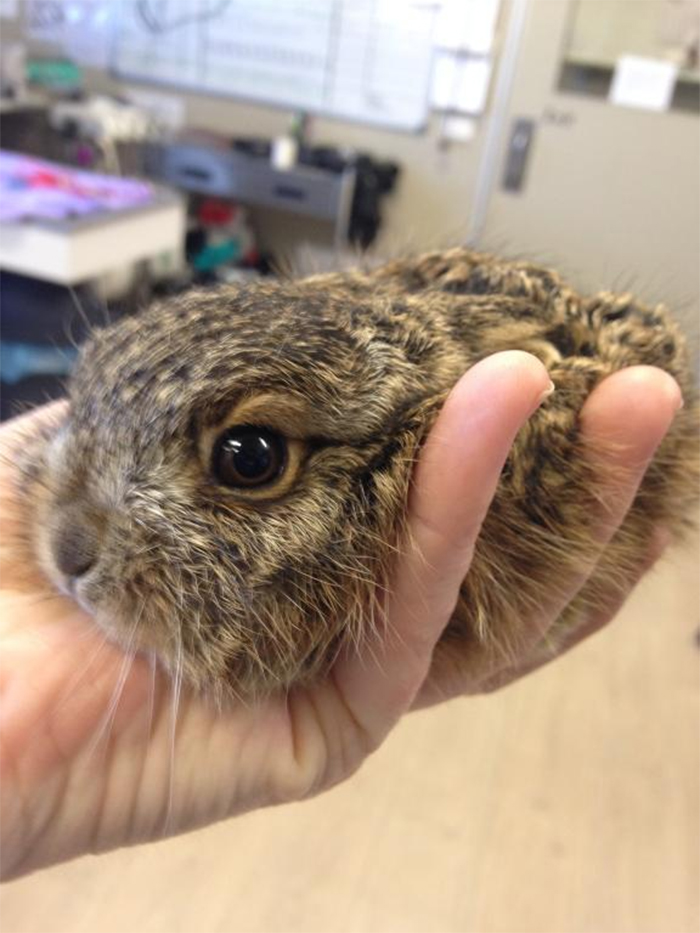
{"points": [[98, 748]]}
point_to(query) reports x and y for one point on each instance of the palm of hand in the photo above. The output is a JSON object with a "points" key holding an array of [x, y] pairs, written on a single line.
{"points": [[142, 755]]}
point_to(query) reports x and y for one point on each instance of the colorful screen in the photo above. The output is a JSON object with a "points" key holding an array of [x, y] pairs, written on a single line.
{"points": [[34, 189]]}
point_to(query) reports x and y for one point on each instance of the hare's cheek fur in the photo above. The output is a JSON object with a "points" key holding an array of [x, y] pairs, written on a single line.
{"points": [[248, 596], [239, 597]]}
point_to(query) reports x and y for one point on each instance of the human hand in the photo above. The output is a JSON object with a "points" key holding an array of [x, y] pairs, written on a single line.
{"points": [[100, 749]]}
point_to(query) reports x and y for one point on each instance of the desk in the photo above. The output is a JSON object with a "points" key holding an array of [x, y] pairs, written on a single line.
{"points": [[66, 226], [71, 251]]}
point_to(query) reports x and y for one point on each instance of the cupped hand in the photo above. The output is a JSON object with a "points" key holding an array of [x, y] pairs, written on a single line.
{"points": [[100, 749]]}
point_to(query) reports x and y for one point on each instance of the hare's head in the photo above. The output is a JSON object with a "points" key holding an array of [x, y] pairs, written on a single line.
{"points": [[231, 477]]}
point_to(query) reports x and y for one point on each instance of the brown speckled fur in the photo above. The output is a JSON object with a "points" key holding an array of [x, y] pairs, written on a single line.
{"points": [[250, 594]]}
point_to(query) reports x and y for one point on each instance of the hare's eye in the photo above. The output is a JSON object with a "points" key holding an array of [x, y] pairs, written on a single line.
{"points": [[247, 456]]}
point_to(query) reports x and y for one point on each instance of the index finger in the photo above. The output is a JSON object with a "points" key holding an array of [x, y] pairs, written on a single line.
{"points": [[465, 450]]}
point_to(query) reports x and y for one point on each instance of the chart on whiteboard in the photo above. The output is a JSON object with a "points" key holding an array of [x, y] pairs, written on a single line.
{"points": [[367, 60]]}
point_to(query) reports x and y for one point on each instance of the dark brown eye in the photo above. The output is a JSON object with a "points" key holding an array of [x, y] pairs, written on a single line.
{"points": [[247, 456]]}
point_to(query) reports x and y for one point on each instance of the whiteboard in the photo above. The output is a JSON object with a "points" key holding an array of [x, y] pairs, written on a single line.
{"points": [[385, 62], [364, 60]]}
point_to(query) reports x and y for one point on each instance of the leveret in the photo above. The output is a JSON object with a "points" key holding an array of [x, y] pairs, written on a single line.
{"points": [[229, 486]]}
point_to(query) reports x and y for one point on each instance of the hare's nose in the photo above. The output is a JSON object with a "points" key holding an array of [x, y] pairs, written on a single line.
{"points": [[75, 543]]}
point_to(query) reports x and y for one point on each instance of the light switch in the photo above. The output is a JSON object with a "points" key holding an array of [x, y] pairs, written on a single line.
{"points": [[518, 152]]}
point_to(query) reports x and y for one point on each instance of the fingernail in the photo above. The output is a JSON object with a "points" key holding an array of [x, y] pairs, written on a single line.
{"points": [[547, 392]]}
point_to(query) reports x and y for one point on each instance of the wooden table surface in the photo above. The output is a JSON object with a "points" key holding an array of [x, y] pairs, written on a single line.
{"points": [[568, 802]]}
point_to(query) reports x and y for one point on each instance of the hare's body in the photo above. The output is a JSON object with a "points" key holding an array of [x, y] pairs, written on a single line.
{"points": [[257, 588]]}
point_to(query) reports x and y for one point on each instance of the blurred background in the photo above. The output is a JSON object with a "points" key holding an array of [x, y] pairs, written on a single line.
{"points": [[152, 145]]}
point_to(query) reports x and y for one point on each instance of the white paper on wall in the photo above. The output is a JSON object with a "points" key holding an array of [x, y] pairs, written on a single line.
{"points": [[444, 83], [646, 83], [460, 83], [474, 76], [467, 25], [458, 128]]}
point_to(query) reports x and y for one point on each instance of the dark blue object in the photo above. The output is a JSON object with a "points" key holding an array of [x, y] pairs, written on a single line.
{"points": [[42, 323]]}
